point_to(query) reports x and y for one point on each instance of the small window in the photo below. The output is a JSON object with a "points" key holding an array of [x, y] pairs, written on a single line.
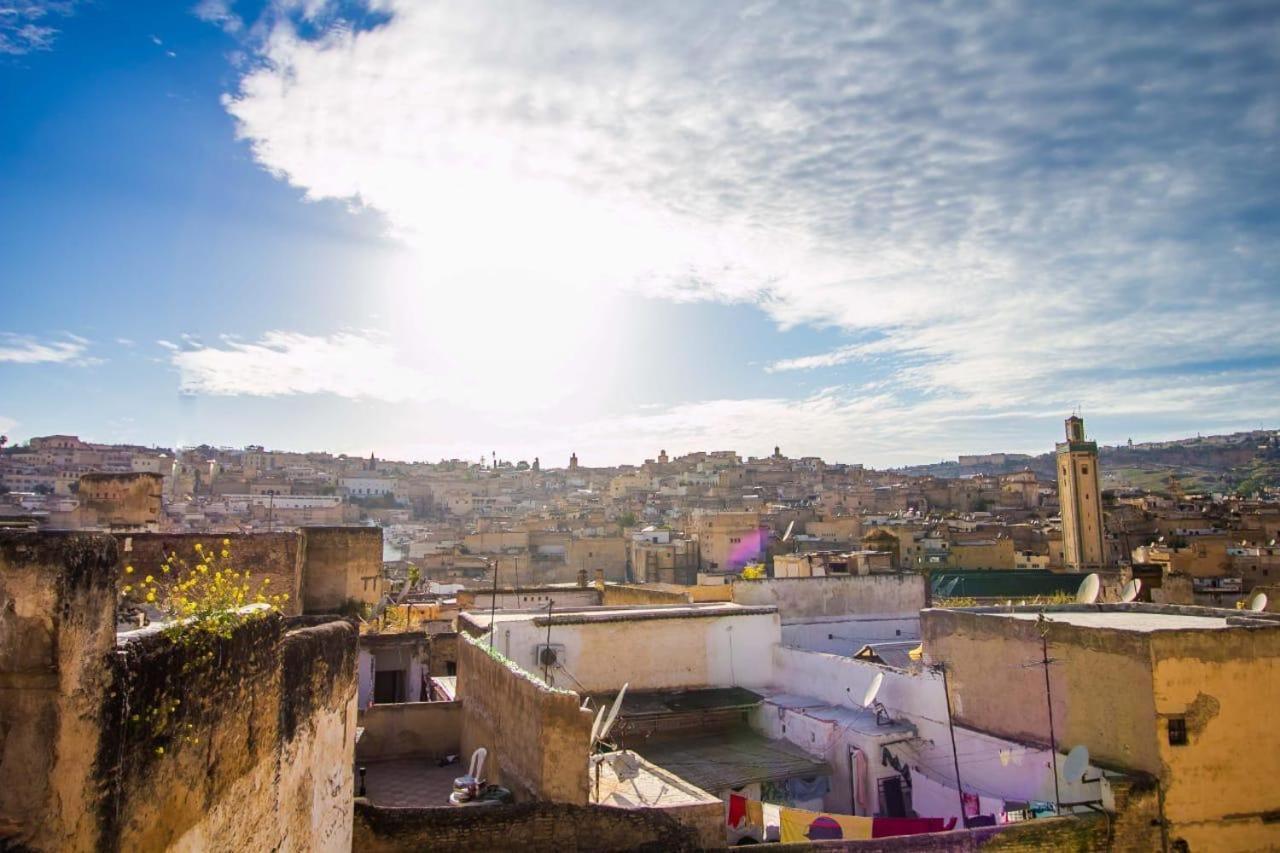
{"points": [[1084, 469], [1177, 731]]}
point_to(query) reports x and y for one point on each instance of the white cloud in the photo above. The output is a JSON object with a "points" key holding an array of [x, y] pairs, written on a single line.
{"points": [[22, 349], [25, 25], [1002, 206], [347, 364], [218, 12]]}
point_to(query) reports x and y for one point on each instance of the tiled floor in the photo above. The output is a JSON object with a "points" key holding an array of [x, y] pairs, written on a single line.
{"points": [[416, 783]]}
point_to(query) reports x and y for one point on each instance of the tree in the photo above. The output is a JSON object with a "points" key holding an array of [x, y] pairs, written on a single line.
{"points": [[627, 519]]}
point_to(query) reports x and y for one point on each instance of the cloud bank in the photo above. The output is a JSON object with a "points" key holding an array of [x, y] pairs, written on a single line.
{"points": [[1004, 203], [27, 25]]}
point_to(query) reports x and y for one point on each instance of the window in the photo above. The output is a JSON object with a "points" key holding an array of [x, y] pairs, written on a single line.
{"points": [[1177, 731], [1084, 469]]}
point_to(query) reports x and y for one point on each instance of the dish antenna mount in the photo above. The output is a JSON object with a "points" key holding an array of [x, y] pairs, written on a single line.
{"points": [[870, 702]]}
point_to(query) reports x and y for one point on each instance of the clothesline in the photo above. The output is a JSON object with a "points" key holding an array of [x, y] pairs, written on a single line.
{"points": [[801, 825]]}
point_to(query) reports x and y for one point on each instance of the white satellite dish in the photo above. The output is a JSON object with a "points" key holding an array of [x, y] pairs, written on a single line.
{"points": [[786, 537], [1258, 602], [613, 714], [595, 727], [1131, 590], [1076, 764], [872, 689], [1089, 589]]}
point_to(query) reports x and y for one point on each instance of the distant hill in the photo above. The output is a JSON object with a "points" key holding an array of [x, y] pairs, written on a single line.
{"points": [[1242, 462]]}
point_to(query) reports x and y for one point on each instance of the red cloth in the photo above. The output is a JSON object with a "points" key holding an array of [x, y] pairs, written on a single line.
{"points": [[885, 827], [737, 809]]}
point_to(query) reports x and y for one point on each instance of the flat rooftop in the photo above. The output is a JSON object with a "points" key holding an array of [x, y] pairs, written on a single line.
{"points": [[625, 780], [572, 615], [1139, 618]]}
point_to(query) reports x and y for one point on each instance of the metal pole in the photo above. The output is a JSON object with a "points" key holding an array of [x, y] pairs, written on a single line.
{"points": [[1053, 744], [955, 757], [546, 667], [493, 603]]}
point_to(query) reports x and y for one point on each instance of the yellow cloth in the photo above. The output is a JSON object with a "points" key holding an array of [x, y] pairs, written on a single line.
{"points": [[755, 813], [799, 826]]}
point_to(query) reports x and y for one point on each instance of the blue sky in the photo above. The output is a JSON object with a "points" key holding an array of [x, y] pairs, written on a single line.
{"points": [[877, 232]]}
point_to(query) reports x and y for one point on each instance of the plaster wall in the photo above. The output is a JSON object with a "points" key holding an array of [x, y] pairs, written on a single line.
{"points": [[847, 636], [650, 654], [410, 730], [807, 599], [341, 564]]}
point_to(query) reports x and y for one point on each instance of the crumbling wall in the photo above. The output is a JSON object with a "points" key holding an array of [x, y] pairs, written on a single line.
{"points": [[533, 827], [238, 740], [341, 564], [57, 628], [626, 594], [537, 737], [277, 556]]}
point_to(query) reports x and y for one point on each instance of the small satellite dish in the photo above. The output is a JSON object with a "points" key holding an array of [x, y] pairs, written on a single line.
{"points": [[1089, 589], [595, 727], [1131, 590], [1258, 602], [786, 537], [1076, 764], [613, 714], [872, 689]]}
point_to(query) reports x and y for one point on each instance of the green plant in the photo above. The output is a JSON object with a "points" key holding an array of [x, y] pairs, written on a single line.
{"points": [[753, 572]]}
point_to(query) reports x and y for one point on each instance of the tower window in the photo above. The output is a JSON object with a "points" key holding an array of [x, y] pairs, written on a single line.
{"points": [[1084, 469], [1177, 731]]}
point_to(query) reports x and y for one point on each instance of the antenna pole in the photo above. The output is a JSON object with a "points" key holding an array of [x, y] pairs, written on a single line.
{"points": [[493, 603], [946, 691], [546, 666], [1048, 694]]}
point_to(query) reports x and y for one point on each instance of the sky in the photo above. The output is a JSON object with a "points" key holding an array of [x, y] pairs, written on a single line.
{"points": [[885, 233]]}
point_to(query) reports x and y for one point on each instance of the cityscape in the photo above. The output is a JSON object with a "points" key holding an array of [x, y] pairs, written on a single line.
{"points": [[539, 425]]}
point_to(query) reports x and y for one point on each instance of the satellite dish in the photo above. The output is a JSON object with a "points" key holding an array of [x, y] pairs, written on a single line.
{"points": [[872, 689], [1076, 764], [786, 537], [613, 714], [547, 656], [1089, 589], [1131, 590], [595, 727], [1258, 602]]}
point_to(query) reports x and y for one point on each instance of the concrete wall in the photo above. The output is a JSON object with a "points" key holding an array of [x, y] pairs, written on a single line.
{"points": [[537, 737], [410, 730], [628, 594], [533, 827], [846, 636], [600, 656], [808, 599], [561, 598]]}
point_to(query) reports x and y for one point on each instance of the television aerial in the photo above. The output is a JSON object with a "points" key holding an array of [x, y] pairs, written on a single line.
{"points": [[1089, 589], [1131, 590], [1257, 602]]}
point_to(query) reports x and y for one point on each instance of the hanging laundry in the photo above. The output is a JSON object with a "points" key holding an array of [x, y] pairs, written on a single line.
{"points": [[737, 809], [772, 818], [887, 827], [800, 789], [755, 813], [970, 804], [799, 826]]}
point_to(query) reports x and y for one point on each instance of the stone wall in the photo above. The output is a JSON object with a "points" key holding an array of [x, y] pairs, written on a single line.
{"points": [[410, 730], [810, 599], [533, 827], [628, 594], [340, 564], [537, 737], [152, 740], [277, 556]]}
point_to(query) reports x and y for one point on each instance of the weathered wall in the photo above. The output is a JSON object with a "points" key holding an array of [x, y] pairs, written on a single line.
{"points": [[537, 737], [807, 599], [628, 594], [120, 500], [1083, 834], [410, 730], [341, 564], [277, 556], [226, 741], [57, 628], [529, 598], [1222, 683], [1100, 681], [846, 635], [717, 649], [534, 827]]}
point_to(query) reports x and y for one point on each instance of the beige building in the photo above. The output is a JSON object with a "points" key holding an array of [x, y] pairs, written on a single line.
{"points": [[1081, 501], [727, 541]]}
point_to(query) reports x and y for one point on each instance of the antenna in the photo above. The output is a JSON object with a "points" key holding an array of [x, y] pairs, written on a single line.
{"points": [[1089, 589], [786, 537], [1131, 590], [1076, 764], [1257, 602]]}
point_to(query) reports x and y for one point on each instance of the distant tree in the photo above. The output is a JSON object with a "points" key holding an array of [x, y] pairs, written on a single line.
{"points": [[627, 519]]}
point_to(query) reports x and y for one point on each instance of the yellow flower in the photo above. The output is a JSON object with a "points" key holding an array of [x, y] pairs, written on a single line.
{"points": [[148, 579], [128, 570], [128, 588], [151, 595], [159, 750], [225, 554], [226, 542], [266, 581]]}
